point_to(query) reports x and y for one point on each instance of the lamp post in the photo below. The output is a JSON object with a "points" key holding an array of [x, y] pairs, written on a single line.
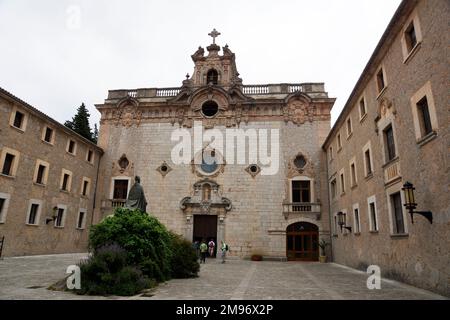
{"points": [[342, 221], [411, 204]]}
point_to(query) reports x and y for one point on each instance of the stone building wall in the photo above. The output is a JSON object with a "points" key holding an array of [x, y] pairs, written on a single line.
{"points": [[421, 255], [256, 223], [20, 189]]}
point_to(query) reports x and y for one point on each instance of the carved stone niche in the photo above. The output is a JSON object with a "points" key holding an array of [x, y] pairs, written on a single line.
{"points": [[123, 166], [206, 199], [300, 165]]}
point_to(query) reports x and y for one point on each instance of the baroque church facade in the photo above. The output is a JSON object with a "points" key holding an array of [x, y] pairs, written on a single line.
{"points": [[256, 165], [231, 199]]}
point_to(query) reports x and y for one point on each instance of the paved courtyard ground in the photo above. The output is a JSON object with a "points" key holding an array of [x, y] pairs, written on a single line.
{"points": [[29, 277]]}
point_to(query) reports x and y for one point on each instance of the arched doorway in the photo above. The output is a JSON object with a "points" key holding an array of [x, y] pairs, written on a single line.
{"points": [[302, 242]]}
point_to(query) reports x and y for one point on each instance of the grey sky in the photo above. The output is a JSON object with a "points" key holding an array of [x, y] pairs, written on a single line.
{"points": [[46, 60]]}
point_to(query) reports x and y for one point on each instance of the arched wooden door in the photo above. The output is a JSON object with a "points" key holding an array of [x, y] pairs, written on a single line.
{"points": [[302, 242]]}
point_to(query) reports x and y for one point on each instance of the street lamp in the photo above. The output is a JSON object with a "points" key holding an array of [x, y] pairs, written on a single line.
{"points": [[342, 221], [411, 205]]}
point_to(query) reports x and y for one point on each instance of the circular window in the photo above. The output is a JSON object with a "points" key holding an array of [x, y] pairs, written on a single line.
{"points": [[300, 162], [253, 168], [210, 109], [164, 168], [209, 162]]}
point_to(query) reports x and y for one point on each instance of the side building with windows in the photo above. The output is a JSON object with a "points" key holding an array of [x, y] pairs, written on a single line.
{"points": [[395, 129], [46, 182]]}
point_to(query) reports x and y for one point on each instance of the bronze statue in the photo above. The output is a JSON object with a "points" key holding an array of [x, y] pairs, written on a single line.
{"points": [[136, 198]]}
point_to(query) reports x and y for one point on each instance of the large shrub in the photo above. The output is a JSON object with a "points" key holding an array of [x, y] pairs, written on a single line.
{"points": [[147, 242], [184, 259], [107, 272]]}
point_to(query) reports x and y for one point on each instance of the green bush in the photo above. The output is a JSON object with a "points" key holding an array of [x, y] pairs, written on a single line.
{"points": [[184, 260], [107, 272], [132, 251], [146, 240]]}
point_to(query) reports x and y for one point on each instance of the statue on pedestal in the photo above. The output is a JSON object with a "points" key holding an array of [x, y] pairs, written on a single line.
{"points": [[136, 198]]}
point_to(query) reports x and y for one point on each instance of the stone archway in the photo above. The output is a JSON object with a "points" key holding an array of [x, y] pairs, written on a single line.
{"points": [[302, 242]]}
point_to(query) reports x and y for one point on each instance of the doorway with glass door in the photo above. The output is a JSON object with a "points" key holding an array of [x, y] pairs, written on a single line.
{"points": [[302, 242]]}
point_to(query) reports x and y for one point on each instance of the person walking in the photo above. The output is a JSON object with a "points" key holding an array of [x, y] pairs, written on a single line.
{"points": [[196, 247], [203, 251], [224, 249], [211, 247]]}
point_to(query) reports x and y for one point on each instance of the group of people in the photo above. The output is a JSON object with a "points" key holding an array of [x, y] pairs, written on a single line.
{"points": [[202, 249]]}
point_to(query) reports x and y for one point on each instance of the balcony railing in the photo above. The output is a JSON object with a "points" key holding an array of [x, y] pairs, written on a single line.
{"points": [[392, 171], [118, 203], [302, 208], [264, 89]]}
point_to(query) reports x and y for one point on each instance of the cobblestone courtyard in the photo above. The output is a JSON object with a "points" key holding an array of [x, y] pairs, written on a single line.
{"points": [[28, 278]]}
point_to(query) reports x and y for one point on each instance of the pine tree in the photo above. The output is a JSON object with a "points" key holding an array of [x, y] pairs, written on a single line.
{"points": [[80, 123], [95, 134]]}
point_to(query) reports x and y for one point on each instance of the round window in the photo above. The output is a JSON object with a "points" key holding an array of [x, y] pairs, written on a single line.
{"points": [[210, 109], [300, 162], [209, 162]]}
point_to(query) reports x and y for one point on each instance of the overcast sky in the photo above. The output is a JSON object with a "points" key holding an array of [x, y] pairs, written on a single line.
{"points": [[57, 54]]}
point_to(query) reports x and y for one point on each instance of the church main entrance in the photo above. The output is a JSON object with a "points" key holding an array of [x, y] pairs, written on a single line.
{"points": [[302, 242], [205, 228]]}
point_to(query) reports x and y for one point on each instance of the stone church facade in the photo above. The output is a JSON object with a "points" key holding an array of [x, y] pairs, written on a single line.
{"points": [[230, 200], [256, 165]]}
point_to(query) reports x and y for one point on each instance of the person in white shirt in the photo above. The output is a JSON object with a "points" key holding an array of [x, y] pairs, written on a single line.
{"points": [[211, 246]]}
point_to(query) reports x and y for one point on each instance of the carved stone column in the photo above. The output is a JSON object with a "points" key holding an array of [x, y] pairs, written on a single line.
{"points": [[220, 233], [189, 231]]}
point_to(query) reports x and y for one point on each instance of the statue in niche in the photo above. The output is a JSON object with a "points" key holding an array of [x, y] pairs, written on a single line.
{"points": [[136, 197]]}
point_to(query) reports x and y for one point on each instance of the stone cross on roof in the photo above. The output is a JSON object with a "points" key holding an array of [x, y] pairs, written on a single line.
{"points": [[214, 34]]}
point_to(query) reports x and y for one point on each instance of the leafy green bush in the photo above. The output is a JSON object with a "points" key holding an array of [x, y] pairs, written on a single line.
{"points": [[107, 272], [146, 241], [132, 251], [184, 260]]}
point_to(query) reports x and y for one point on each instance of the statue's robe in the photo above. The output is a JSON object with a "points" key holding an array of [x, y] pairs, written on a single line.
{"points": [[136, 198]]}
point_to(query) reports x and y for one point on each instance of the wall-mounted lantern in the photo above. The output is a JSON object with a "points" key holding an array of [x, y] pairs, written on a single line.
{"points": [[411, 204], [342, 221]]}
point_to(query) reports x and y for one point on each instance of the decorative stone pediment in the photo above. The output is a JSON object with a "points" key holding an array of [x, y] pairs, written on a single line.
{"points": [[123, 166], [385, 108], [299, 110], [300, 165], [127, 113], [206, 198]]}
